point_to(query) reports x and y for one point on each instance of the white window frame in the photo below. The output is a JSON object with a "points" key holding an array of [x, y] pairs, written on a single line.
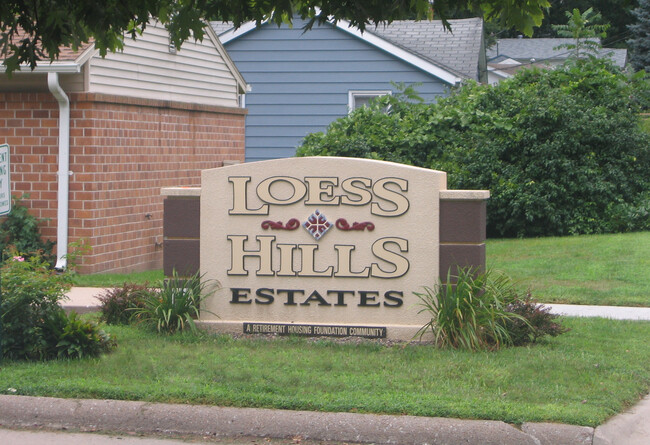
{"points": [[353, 94]]}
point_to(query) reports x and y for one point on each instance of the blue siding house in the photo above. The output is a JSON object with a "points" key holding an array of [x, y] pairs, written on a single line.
{"points": [[302, 81]]}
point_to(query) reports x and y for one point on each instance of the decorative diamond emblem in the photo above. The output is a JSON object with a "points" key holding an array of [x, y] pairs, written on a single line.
{"points": [[317, 224]]}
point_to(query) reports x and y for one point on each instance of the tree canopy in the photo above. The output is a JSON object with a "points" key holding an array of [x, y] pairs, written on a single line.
{"points": [[32, 30]]}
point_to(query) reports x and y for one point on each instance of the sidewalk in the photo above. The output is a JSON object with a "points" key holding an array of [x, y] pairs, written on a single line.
{"points": [[629, 428], [82, 299]]}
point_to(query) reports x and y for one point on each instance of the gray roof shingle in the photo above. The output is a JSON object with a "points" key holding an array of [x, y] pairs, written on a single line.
{"points": [[457, 51], [545, 49]]}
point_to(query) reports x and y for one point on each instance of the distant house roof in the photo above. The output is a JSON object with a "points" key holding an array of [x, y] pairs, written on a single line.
{"points": [[459, 49], [544, 49], [450, 55]]}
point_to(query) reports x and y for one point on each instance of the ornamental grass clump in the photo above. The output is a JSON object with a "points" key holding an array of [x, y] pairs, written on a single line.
{"points": [[175, 304], [482, 311]]}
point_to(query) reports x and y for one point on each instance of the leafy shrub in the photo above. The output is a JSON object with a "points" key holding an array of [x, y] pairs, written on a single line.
{"points": [[175, 304], [483, 311], [118, 303], [570, 155], [536, 322], [20, 231], [79, 338], [31, 292], [34, 325], [561, 151]]}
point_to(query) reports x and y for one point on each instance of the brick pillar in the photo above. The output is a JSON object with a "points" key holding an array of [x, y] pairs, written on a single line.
{"points": [[462, 230], [181, 229]]}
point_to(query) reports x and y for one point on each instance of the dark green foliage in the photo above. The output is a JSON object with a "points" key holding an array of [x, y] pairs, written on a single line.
{"points": [[640, 42], [19, 230], [536, 322], [34, 326], [561, 151], [617, 13], [118, 303], [82, 338], [585, 30], [570, 158], [31, 292]]}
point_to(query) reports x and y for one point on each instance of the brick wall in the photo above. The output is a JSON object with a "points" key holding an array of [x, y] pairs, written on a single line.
{"points": [[122, 151], [29, 124]]}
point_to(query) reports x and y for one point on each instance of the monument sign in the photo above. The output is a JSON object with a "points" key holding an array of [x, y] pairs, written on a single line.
{"points": [[315, 246]]}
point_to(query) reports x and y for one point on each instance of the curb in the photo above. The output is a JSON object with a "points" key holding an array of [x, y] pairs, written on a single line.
{"points": [[224, 422]]}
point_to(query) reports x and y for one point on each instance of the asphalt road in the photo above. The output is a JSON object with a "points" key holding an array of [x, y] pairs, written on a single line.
{"points": [[49, 437]]}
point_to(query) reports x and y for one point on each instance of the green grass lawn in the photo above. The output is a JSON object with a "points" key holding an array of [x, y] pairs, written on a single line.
{"points": [[114, 280], [594, 269], [582, 377]]}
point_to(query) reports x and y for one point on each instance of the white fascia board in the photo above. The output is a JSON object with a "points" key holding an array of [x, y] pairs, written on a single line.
{"points": [[60, 67], [243, 87], [86, 55], [400, 53], [236, 32]]}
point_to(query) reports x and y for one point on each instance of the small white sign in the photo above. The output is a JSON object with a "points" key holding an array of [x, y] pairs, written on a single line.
{"points": [[5, 181]]}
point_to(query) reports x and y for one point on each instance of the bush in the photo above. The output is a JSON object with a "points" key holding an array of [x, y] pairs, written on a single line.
{"points": [[561, 151], [536, 322], [175, 304], [81, 338], [31, 292], [118, 303], [20, 231], [34, 325], [569, 159], [482, 311]]}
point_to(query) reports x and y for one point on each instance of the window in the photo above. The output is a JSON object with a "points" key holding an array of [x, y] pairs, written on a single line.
{"points": [[358, 99]]}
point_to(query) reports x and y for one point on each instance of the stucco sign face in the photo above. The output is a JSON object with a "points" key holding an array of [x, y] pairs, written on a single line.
{"points": [[320, 246]]}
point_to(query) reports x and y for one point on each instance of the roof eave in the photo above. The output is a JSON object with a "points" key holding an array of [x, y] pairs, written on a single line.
{"points": [[233, 33], [373, 39], [60, 67]]}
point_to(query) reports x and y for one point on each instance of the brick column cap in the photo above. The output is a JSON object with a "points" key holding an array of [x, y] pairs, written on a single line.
{"points": [[469, 195], [180, 191]]}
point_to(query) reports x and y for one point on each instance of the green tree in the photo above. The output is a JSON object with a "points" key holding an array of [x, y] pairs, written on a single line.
{"points": [[640, 42], [617, 13], [32, 30], [584, 29]]}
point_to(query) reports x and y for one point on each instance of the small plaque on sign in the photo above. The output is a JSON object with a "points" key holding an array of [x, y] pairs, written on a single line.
{"points": [[315, 330]]}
